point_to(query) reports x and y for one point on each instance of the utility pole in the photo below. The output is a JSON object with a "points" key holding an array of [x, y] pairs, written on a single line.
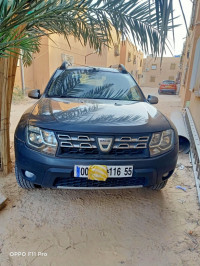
{"points": [[22, 72]]}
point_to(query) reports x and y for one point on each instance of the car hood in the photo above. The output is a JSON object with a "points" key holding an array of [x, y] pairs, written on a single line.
{"points": [[108, 116]]}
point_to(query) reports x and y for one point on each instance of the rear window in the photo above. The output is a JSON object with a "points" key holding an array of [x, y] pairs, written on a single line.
{"points": [[94, 84], [168, 82]]}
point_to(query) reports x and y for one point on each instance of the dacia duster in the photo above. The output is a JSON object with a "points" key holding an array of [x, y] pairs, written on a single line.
{"points": [[93, 128]]}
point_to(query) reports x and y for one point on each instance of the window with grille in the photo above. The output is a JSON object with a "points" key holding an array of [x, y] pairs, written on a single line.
{"points": [[152, 79], [116, 50], [185, 74], [129, 57], [154, 66], [134, 59], [172, 66]]}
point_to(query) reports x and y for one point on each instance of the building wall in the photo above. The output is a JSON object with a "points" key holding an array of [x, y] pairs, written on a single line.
{"points": [[195, 111], [95, 59], [55, 50], [184, 69], [36, 75], [132, 59], [191, 96], [153, 73], [139, 66], [60, 50], [109, 55], [40, 67], [113, 52]]}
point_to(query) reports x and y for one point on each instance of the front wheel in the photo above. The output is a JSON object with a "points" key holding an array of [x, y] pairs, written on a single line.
{"points": [[23, 183], [159, 186]]}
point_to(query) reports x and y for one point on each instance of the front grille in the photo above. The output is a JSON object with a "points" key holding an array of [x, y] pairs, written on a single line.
{"points": [[74, 145], [76, 182]]}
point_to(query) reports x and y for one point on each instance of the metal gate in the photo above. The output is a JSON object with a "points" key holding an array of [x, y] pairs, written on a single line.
{"points": [[194, 148]]}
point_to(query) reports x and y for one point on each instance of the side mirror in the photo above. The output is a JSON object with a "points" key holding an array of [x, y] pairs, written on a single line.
{"points": [[34, 94], [152, 99]]}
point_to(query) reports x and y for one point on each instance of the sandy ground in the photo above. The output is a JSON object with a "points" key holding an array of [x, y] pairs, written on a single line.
{"points": [[113, 227]]}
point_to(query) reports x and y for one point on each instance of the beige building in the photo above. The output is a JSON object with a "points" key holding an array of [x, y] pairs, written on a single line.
{"points": [[56, 50], [190, 67], [154, 73], [132, 59]]}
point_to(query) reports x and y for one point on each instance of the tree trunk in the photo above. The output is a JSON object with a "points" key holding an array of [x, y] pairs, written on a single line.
{"points": [[8, 68]]}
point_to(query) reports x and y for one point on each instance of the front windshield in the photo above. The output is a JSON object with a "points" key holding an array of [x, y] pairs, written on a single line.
{"points": [[95, 84]]}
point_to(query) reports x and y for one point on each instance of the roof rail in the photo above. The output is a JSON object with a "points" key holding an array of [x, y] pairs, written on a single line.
{"points": [[65, 65], [120, 67]]}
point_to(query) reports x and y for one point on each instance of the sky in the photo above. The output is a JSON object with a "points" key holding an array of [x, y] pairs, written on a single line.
{"points": [[180, 32]]}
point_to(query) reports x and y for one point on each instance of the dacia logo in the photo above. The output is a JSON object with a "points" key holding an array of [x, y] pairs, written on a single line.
{"points": [[105, 144]]}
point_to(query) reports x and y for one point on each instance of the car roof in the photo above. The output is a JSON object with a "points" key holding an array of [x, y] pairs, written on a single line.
{"points": [[105, 69]]}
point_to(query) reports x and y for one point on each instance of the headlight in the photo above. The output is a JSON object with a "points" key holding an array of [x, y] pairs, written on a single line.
{"points": [[161, 142], [42, 140]]}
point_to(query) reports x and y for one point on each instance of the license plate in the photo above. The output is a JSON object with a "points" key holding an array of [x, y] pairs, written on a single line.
{"points": [[113, 171]]}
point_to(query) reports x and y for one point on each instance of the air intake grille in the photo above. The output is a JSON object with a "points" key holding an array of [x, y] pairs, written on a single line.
{"points": [[110, 182], [74, 145]]}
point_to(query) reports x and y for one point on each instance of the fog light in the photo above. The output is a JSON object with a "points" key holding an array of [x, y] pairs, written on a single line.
{"points": [[29, 174], [166, 174]]}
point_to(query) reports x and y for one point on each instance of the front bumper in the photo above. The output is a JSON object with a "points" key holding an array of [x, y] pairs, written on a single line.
{"points": [[56, 172]]}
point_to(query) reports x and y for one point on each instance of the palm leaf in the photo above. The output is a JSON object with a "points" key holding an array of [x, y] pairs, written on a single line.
{"points": [[146, 22]]}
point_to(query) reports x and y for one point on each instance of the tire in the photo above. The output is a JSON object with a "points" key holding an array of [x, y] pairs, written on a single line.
{"points": [[159, 186], [23, 183], [159, 92]]}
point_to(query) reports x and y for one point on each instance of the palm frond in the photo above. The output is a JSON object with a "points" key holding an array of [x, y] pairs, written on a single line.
{"points": [[146, 22]]}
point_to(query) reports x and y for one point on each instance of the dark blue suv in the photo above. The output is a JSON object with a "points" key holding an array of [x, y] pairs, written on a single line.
{"points": [[93, 128]]}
